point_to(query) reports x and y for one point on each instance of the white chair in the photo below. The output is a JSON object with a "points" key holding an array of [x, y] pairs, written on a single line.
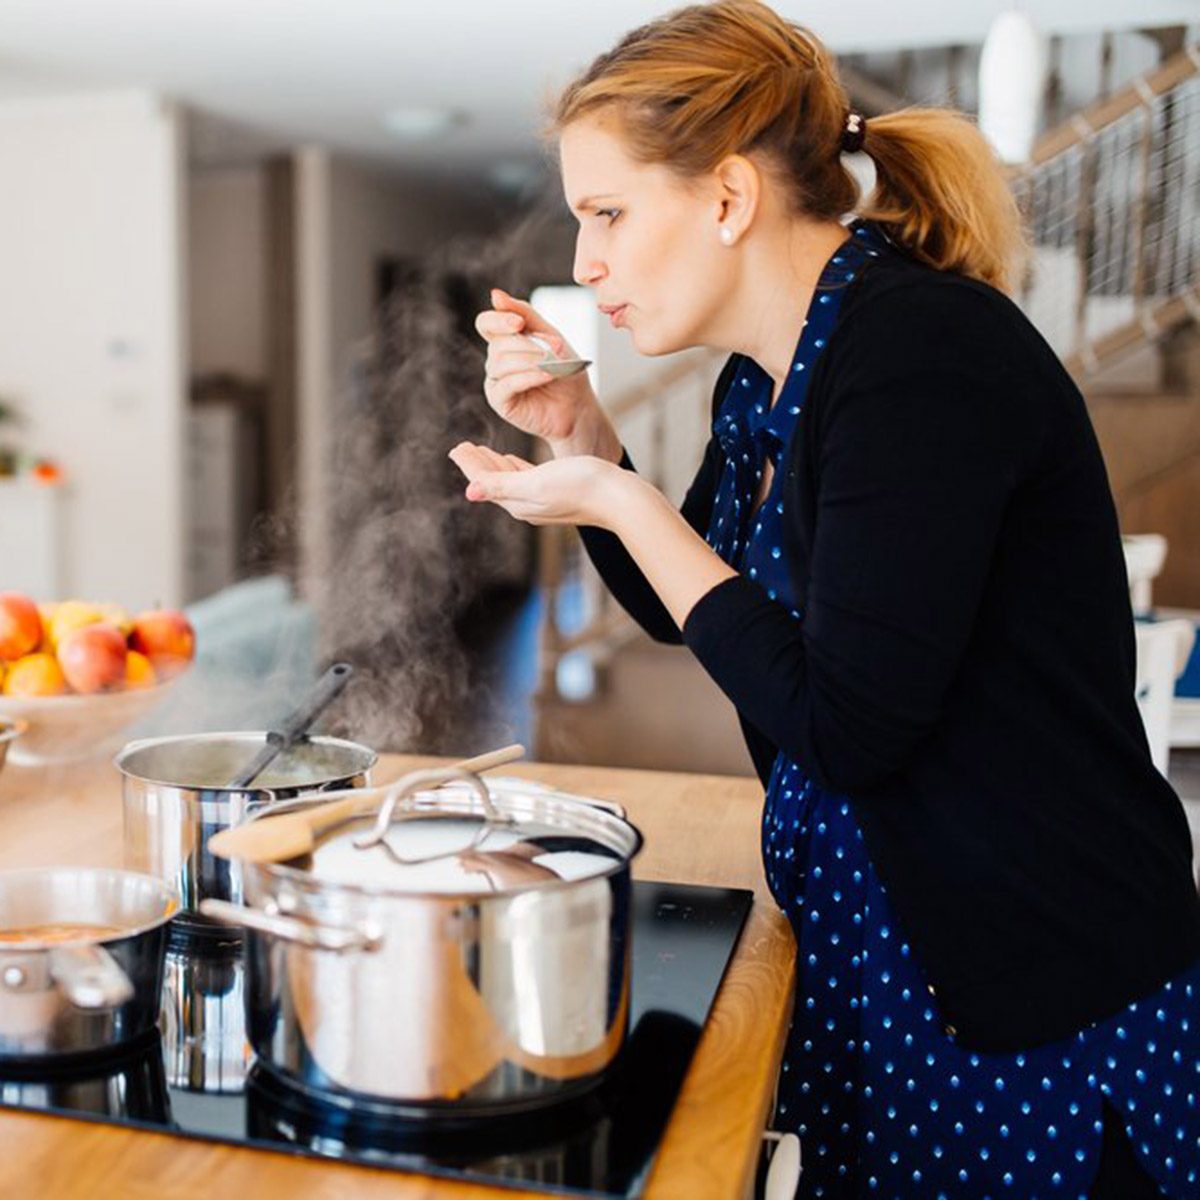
{"points": [[1163, 648], [1145, 554]]}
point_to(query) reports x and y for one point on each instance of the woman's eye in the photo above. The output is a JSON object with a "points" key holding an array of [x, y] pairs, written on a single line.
{"points": [[611, 213]]}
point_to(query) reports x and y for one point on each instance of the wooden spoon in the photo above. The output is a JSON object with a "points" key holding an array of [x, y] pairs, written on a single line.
{"points": [[276, 839]]}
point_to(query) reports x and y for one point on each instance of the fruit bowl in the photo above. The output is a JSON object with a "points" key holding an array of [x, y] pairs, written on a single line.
{"points": [[9, 732], [63, 729]]}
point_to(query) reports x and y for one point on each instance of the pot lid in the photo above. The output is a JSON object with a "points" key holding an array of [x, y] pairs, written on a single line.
{"points": [[453, 841]]}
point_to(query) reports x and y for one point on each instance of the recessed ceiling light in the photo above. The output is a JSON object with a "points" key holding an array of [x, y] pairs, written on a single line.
{"points": [[416, 123]]}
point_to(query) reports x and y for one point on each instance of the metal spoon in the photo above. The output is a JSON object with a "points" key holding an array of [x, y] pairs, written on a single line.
{"points": [[326, 690], [560, 368]]}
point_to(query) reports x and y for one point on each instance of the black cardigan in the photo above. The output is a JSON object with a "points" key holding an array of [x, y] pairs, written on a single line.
{"points": [[964, 671]]}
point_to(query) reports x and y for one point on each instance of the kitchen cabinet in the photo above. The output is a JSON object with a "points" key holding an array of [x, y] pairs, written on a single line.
{"points": [[223, 492], [699, 829], [31, 537]]}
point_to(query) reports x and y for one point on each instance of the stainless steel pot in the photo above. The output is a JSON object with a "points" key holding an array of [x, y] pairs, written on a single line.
{"points": [[462, 947], [175, 799], [204, 1018], [88, 992]]}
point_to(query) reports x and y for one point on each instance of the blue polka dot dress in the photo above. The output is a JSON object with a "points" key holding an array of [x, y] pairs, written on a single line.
{"points": [[885, 1101]]}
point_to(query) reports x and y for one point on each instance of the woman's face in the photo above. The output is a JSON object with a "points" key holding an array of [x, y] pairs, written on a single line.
{"points": [[648, 242]]}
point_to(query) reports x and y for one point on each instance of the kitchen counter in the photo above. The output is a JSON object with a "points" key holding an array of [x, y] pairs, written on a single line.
{"points": [[699, 829]]}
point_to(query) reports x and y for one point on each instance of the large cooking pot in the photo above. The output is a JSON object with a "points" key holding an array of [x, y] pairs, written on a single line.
{"points": [[176, 797], [461, 946], [81, 959]]}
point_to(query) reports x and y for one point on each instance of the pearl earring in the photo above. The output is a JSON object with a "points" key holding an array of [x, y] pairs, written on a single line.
{"points": [[726, 235]]}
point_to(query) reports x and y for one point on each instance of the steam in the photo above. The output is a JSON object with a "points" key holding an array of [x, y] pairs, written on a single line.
{"points": [[408, 552]]}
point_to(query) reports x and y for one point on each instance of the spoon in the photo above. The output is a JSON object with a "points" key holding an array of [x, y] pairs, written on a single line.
{"points": [[289, 835], [560, 368], [324, 692]]}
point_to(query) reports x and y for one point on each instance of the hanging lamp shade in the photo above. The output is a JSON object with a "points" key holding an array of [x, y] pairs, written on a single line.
{"points": [[1012, 71]]}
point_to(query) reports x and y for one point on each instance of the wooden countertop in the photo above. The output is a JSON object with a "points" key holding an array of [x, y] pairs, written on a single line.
{"points": [[699, 829]]}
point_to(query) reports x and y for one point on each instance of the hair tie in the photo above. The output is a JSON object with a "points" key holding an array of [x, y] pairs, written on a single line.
{"points": [[854, 133]]}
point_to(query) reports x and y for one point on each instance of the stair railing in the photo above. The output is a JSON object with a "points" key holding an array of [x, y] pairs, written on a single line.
{"points": [[1112, 202]]}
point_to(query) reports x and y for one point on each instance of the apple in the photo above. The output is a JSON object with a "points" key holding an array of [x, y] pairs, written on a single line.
{"points": [[93, 658], [69, 616], [165, 636], [114, 614], [20, 625]]}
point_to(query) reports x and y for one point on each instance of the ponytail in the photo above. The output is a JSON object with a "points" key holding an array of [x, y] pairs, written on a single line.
{"points": [[942, 195]]}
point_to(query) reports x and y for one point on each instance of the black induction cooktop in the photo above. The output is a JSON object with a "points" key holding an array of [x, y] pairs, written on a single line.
{"points": [[197, 1081]]}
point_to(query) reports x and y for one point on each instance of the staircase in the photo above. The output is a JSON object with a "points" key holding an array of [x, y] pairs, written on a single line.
{"points": [[1112, 201]]}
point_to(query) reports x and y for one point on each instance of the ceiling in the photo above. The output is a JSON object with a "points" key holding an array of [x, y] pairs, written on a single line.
{"points": [[265, 73]]}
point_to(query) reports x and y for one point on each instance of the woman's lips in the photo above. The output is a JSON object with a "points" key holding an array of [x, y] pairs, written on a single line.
{"points": [[615, 313]]}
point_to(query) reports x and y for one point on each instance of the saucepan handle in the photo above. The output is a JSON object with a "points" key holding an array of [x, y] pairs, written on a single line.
{"points": [[311, 935], [90, 977], [608, 806]]}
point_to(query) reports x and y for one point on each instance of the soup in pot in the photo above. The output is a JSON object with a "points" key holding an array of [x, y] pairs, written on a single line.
{"points": [[59, 931]]}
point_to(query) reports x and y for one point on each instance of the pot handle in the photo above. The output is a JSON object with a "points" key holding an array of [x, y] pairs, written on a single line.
{"points": [[90, 977], [608, 806], [405, 788], [335, 939], [268, 798]]}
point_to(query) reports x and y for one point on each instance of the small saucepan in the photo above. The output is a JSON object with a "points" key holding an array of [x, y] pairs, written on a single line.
{"points": [[177, 794], [81, 959]]}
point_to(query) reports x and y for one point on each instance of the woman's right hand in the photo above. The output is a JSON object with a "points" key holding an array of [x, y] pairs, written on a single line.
{"points": [[564, 412]]}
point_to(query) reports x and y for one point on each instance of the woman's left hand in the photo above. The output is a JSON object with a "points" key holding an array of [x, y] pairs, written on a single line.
{"points": [[565, 491]]}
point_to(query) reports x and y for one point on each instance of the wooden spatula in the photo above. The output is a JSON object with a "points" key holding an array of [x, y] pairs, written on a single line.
{"points": [[276, 839]]}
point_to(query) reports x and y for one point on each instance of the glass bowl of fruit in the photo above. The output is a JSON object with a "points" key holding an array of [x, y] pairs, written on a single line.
{"points": [[78, 675]]}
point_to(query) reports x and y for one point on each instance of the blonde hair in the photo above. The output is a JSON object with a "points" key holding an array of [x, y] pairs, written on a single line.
{"points": [[734, 77]]}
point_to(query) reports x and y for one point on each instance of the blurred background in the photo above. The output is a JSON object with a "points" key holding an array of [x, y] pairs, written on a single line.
{"points": [[241, 250]]}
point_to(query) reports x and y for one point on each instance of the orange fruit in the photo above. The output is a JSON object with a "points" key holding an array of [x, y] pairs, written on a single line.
{"points": [[138, 671], [35, 675]]}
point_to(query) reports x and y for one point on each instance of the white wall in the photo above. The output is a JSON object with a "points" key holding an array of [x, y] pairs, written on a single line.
{"points": [[226, 270], [91, 338]]}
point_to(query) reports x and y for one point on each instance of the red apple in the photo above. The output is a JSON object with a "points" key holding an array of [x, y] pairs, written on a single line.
{"points": [[20, 625], [166, 638], [93, 658]]}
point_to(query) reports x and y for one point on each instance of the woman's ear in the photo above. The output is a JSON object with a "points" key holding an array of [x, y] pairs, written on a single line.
{"points": [[738, 184]]}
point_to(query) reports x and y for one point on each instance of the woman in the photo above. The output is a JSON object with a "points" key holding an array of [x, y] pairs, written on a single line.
{"points": [[900, 560]]}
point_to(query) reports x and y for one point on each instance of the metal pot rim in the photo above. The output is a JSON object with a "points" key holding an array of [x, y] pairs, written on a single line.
{"points": [[305, 880], [131, 748], [11, 729], [169, 896]]}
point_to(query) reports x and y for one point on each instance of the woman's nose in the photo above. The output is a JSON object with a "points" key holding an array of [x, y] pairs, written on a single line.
{"points": [[587, 270]]}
